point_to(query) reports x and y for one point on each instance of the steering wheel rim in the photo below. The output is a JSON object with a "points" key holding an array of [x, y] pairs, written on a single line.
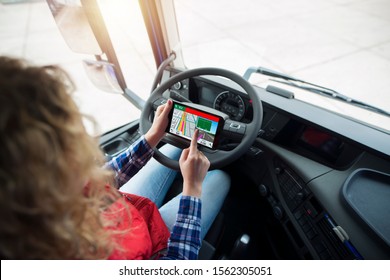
{"points": [[217, 158]]}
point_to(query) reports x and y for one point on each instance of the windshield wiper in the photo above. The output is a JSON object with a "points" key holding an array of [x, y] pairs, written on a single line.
{"points": [[289, 80]]}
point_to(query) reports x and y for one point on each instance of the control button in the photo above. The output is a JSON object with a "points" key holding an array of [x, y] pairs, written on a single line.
{"points": [[264, 191], [310, 210], [177, 86], [278, 170], [278, 212], [237, 128]]}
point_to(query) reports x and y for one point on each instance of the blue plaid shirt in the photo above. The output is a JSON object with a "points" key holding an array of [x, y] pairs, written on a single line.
{"points": [[184, 242], [129, 162]]}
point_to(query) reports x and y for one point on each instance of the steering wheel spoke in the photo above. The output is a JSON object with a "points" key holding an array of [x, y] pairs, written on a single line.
{"points": [[159, 101], [234, 130]]}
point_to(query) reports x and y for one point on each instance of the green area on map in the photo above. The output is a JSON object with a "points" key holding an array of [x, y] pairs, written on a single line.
{"points": [[204, 124]]}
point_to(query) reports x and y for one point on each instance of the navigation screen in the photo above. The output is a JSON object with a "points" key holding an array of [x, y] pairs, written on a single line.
{"points": [[186, 119]]}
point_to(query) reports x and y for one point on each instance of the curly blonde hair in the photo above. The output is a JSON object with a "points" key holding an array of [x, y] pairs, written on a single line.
{"points": [[46, 159]]}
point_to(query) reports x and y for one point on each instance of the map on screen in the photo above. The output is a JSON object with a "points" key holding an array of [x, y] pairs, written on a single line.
{"points": [[185, 120]]}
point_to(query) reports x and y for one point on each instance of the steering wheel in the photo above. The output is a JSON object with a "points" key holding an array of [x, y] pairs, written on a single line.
{"points": [[245, 132]]}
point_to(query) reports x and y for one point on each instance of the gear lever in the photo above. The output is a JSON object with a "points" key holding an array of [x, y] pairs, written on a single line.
{"points": [[240, 247]]}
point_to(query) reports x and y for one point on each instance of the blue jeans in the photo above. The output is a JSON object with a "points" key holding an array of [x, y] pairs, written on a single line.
{"points": [[154, 180]]}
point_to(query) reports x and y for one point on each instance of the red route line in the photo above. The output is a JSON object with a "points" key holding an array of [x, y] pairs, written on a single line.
{"points": [[201, 114]]}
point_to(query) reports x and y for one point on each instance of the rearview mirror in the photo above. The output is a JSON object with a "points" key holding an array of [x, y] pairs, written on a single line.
{"points": [[81, 24], [70, 16], [102, 75]]}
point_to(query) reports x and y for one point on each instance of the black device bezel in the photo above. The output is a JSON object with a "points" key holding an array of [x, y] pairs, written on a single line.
{"points": [[218, 131]]}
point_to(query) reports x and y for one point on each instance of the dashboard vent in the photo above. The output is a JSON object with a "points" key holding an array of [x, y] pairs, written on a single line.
{"points": [[293, 188]]}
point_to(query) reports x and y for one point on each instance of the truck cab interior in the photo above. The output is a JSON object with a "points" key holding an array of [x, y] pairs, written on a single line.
{"points": [[308, 182]]}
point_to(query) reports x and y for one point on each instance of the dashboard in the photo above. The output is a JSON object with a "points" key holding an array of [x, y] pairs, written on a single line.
{"points": [[314, 168], [232, 102]]}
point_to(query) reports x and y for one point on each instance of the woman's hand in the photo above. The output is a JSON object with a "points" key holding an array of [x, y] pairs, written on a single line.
{"points": [[194, 166], [160, 123]]}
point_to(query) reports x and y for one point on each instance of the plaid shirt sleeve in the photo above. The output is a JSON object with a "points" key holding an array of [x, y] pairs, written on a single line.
{"points": [[128, 163], [185, 242]]}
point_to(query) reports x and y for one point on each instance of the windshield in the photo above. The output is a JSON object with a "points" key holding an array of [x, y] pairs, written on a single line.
{"points": [[339, 44], [343, 45]]}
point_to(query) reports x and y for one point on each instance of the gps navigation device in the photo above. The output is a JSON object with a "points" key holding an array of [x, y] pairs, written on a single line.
{"points": [[184, 119]]}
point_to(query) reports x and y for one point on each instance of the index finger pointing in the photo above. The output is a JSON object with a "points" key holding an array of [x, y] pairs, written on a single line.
{"points": [[194, 141]]}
